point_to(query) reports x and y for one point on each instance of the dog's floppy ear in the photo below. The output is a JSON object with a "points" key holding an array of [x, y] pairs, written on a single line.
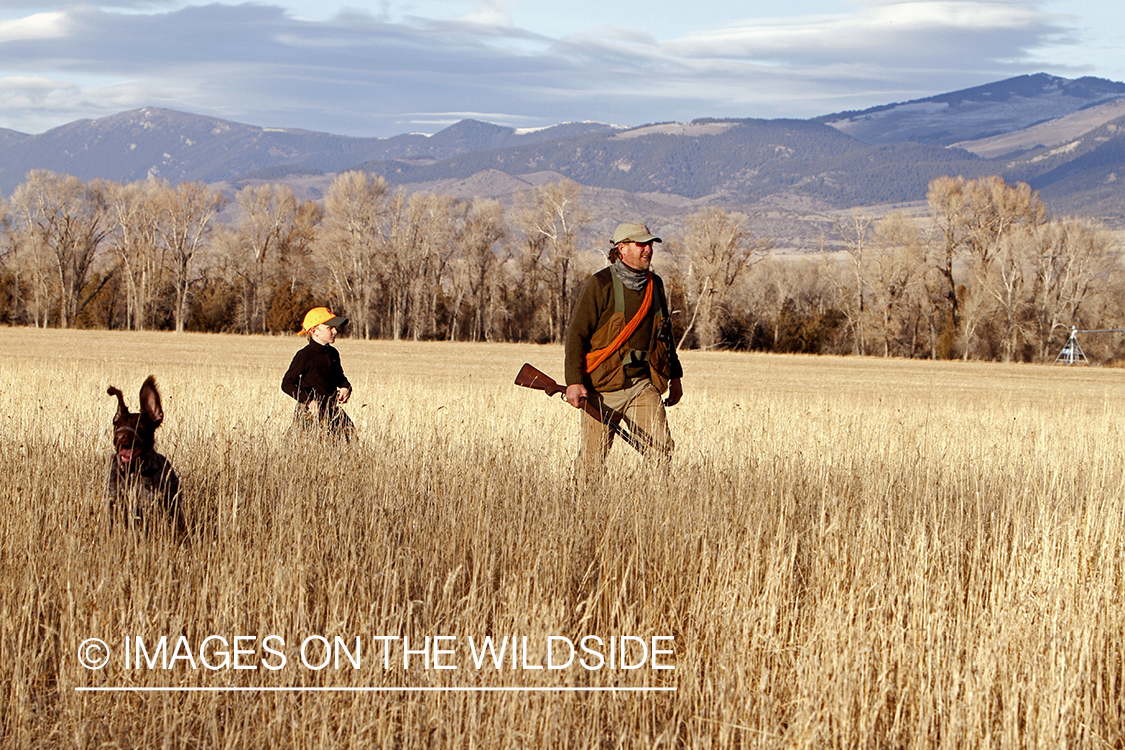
{"points": [[150, 401], [122, 409]]}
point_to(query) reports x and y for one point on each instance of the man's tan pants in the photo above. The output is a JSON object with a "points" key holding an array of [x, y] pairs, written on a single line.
{"points": [[640, 408]]}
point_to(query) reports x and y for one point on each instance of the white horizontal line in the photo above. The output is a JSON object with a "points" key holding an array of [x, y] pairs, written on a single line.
{"points": [[375, 689]]}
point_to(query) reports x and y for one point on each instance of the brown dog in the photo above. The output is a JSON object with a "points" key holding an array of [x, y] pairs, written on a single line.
{"points": [[140, 479]]}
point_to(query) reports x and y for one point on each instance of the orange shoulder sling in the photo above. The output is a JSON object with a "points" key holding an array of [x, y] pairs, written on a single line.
{"points": [[594, 359]]}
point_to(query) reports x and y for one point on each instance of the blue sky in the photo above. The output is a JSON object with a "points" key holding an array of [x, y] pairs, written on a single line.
{"points": [[382, 68]]}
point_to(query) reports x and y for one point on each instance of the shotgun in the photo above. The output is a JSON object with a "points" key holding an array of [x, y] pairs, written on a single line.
{"points": [[529, 377]]}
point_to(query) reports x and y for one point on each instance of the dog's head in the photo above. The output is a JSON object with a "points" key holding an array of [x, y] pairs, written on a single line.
{"points": [[134, 435]]}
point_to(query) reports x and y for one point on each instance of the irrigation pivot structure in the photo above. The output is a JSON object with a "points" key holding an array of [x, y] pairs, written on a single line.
{"points": [[1072, 353]]}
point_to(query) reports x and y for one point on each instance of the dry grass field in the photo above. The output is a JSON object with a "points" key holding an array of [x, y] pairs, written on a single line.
{"points": [[844, 553]]}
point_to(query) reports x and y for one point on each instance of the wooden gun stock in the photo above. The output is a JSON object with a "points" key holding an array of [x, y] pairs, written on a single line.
{"points": [[530, 377]]}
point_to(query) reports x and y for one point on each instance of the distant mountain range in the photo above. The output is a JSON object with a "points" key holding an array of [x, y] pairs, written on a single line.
{"points": [[981, 112], [1065, 137], [182, 147]]}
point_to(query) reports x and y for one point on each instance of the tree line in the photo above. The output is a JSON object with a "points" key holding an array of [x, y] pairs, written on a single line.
{"points": [[987, 275]]}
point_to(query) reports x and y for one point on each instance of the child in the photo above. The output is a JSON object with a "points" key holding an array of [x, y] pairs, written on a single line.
{"points": [[316, 379]]}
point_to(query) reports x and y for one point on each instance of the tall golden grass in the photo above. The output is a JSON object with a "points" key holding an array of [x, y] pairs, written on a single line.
{"points": [[847, 553]]}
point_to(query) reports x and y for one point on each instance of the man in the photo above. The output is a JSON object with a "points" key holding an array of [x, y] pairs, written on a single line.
{"points": [[315, 377], [619, 351]]}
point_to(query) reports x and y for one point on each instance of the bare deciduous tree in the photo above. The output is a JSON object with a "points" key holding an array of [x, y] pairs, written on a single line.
{"points": [[350, 241], [854, 233], [62, 221], [550, 217], [440, 218], [254, 245], [186, 223], [483, 232], [418, 241], [975, 217], [895, 276], [717, 247], [135, 244], [1071, 257]]}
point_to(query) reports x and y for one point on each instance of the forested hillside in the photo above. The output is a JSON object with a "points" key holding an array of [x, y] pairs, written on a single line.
{"points": [[742, 161], [182, 147], [1080, 177]]}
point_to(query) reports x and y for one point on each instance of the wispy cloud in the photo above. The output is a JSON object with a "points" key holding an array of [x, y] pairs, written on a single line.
{"points": [[51, 25], [898, 37], [363, 74]]}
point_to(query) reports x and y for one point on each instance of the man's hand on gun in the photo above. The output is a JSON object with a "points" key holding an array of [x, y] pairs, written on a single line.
{"points": [[575, 395]]}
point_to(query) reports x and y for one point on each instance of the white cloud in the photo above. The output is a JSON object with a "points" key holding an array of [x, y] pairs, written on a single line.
{"points": [[33, 84], [967, 15], [361, 73], [49, 25], [947, 34], [489, 13]]}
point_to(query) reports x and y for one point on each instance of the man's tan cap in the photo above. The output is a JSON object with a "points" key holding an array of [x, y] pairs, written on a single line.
{"points": [[633, 231]]}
